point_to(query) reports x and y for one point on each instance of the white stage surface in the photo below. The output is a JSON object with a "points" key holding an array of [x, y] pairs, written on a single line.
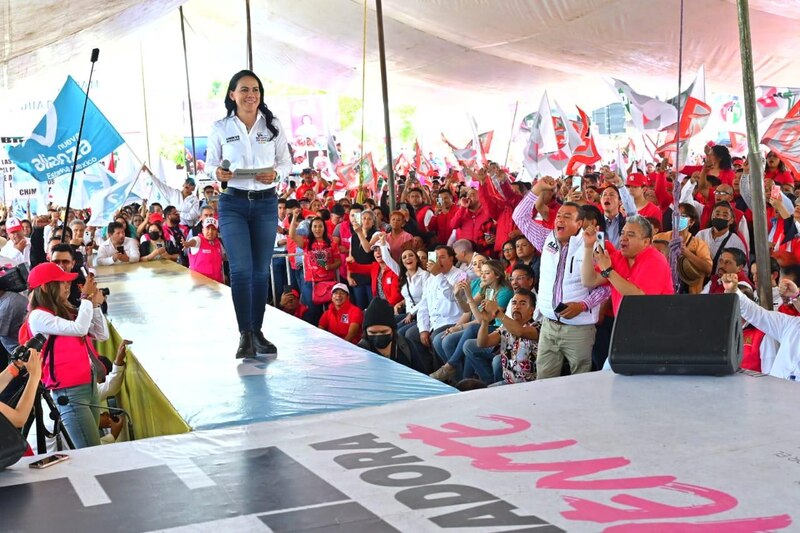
{"points": [[593, 452]]}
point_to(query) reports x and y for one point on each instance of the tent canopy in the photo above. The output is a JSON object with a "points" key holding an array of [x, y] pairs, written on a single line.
{"points": [[467, 46]]}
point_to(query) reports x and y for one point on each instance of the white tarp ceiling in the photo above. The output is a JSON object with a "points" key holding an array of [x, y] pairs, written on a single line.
{"points": [[468, 46]]}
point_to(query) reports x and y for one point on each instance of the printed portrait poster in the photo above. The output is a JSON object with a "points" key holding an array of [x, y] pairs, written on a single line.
{"points": [[307, 118]]}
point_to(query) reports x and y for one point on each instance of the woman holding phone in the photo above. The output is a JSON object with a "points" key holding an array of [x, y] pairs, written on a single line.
{"points": [[249, 153]]}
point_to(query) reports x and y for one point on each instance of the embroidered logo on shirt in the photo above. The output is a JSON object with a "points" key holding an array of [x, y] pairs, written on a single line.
{"points": [[345, 318], [232, 139], [552, 247], [261, 138]]}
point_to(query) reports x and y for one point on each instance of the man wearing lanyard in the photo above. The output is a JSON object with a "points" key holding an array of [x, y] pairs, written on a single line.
{"points": [[249, 138]]}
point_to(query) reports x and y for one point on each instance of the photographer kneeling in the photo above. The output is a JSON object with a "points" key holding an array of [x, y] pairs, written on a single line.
{"points": [[69, 360], [19, 415]]}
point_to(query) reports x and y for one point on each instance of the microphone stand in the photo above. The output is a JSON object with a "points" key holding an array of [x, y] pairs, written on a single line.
{"points": [[95, 55]]}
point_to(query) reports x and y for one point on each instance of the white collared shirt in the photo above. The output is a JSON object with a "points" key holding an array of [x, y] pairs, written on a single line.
{"points": [[10, 252], [107, 250], [229, 139], [438, 306]]}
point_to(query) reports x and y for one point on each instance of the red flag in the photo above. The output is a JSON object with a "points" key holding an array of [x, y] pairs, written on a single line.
{"points": [[694, 117], [421, 163], [485, 139], [738, 142], [348, 174], [112, 166], [586, 153], [795, 111], [783, 138]]}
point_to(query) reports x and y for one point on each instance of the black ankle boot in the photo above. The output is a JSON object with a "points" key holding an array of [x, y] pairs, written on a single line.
{"points": [[245, 345], [263, 346]]}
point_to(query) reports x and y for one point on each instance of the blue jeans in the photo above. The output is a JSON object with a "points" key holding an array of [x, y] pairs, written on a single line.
{"points": [[450, 348], [479, 361], [361, 295], [298, 278], [82, 423], [279, 275], [403, 328], [314, 312], [248, 230]]}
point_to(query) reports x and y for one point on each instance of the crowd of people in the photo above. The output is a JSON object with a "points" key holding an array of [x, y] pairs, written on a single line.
{"points": [[476, 278]]}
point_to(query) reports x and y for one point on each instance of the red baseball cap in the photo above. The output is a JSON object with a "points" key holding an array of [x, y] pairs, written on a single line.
{"points": [[637, 179], [13, 224], [155, 217], [47, 273]]}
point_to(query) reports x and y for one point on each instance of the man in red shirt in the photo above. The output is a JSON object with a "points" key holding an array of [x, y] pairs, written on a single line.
{"points": [[342, 318], [635, 269], [445, 210], [309, 184], [469, 217]]}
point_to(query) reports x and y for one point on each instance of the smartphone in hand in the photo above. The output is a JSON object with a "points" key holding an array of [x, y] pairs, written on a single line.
{"points": [[601, 242], [560, 307]]}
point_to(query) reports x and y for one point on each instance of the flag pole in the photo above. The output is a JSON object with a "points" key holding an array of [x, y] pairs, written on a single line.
{"points": [[754, 158], [95, 55], [188, 93], [385, 90], [511, 135], [676, 241], [144, 103], [249, 36]]}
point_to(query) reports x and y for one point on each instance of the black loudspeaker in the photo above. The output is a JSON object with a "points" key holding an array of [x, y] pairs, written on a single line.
{"points": [[681, 334]]}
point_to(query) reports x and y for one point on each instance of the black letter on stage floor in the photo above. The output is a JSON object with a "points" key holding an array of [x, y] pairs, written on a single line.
{"points": [[421, 497], [426, 476], [375, 459], [499, 513], [365, 441]]}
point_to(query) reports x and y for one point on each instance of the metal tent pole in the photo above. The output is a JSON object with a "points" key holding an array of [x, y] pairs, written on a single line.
{"points": [[385, 89], [760, 239]]}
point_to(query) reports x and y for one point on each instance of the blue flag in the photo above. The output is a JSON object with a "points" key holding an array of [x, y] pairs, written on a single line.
{"points": [[49, 152]]}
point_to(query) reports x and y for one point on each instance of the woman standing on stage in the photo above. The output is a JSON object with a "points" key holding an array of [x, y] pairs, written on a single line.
{"points": [[250, 137], [68, 368]]}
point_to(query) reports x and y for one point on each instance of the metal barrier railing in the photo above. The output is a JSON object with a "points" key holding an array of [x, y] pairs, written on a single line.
{"points": [[285, 255]]}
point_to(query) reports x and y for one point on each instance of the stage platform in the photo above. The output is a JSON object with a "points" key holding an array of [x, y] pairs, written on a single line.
{"points": [[185, 336], [587, 453]]}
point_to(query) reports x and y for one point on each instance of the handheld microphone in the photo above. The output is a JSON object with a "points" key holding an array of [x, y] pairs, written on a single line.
{"points": [[225, 165], [64, 400], [95, 54]]}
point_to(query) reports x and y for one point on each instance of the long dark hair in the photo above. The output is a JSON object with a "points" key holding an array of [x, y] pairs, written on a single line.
{"points": [[230, 105], [311, 238], [403, 270], [781, 165], [48, 296], [723, 154]]}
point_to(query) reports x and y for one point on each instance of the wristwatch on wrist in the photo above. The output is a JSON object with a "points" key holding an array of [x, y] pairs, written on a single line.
{"points": [[607, 272]]}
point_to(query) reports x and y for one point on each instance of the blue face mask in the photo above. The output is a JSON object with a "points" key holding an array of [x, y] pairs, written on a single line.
{"points": [[683, 224]]}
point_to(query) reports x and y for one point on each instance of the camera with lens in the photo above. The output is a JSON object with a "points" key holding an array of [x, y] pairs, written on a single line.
{"points": [[105, 291], [23, 352]]}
